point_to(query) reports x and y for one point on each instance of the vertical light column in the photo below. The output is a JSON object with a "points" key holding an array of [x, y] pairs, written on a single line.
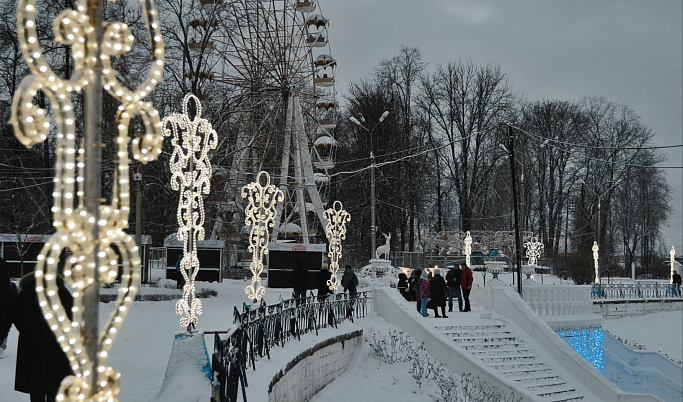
{"points": [[533, 251], [336, 232], [84, 225], [468, 248], [192, 138], [260, 216], [672, 253], [595, 260]]}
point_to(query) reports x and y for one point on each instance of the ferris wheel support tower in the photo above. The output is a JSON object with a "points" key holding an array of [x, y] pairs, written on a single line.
{"points": [[303, 170]]}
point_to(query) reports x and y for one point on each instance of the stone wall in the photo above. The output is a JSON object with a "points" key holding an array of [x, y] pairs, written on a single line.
{"points": [[614, 309], [316, 367]]}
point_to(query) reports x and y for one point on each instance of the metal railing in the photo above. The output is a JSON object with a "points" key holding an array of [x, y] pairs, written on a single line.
{"points": [[256, 330], [634, 291]]}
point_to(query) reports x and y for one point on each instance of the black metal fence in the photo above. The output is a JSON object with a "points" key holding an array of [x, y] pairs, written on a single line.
{"points": [[255, 331], [635, 291]]}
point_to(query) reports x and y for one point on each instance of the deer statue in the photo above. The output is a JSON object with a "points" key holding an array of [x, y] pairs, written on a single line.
{"points": [[384, 249]]}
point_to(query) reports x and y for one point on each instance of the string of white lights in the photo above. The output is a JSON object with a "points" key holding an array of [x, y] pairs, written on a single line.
{"points": [[533, 250], [336, 232], [192, 138], [260, 216], [73, 222]]}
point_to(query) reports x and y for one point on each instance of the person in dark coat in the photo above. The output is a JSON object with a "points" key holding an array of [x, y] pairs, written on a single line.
{"points": [[415, 288], [677, 283], [8, 294], [453, 282], [466, 284], [321, 279], [403, 284], [349, 281], [299, 280], [437, 292], [41, 363], [179, 279]]}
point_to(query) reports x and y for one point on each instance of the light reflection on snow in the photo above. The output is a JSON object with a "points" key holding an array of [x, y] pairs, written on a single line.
{"points": [[587, 342]]}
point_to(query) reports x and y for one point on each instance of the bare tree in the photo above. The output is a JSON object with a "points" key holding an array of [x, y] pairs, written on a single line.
{"points": [[399, 75], [466, 102], [549, 167]]}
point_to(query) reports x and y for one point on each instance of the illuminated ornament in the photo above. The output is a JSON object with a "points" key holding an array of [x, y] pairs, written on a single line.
{"points": [[468, 248], [86, 227], [260, 216], [672, 253], [336, 232], [192, 138], [595, 259], [533, 250]]}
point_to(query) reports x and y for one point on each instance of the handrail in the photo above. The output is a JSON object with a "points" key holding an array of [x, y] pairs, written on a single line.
{"points": [[257, 329], [634, 291]]}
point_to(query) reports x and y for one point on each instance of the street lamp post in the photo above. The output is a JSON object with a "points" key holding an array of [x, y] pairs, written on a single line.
{"points": [[373, 228]]}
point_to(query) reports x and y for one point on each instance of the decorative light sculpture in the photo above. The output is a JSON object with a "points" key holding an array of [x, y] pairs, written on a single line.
{"points": [[533, 250], [336, 232], [672, 253], [260, 215], [468, 248], [192, 139], [595, 259], [84, 225]]}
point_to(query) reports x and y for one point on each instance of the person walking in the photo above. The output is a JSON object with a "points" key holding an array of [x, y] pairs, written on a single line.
{"points": [[299, 281], [677, 283], [321, 279], [424, 292], [437, 292], [349, 281], [41, 363], [8, 295], [453, 281], [466, 284]]}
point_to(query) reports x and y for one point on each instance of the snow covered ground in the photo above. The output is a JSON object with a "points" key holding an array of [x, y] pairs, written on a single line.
{"points": [[142, 349]]}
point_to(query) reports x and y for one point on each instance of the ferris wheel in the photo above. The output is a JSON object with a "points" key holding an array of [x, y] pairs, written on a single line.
{"points": [[277, 53]]}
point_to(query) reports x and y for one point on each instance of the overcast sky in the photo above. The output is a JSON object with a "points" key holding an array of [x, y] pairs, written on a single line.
{"points": [[629, 51]]}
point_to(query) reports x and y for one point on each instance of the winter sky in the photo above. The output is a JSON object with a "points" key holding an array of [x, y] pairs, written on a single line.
{"points": [[629, 51]]}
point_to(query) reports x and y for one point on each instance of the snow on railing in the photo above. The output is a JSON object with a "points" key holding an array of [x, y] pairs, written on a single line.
{"points": [[258, 328]]}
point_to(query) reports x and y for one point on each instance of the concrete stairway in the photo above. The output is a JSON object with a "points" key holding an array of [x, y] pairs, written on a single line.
{"points": [[497, 346]]}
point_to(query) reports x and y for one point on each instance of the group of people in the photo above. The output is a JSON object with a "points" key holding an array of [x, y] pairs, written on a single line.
{"points": [[431, 290], [299, 279], [41, 364]]}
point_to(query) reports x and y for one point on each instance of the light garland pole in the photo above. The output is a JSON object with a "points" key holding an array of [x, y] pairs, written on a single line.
{"points": [[336, 232], [260, 215], [595, 249], [192, 139], [533, 251], [468, 248], [672, 253], [83, 223]]}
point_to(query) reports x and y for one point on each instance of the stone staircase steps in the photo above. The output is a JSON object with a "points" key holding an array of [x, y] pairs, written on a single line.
{"points": [[501, 349], [492, 346]]}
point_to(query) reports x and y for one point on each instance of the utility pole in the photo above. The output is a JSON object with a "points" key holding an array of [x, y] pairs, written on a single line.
{"points": [[518, 246], [373, 227]]}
